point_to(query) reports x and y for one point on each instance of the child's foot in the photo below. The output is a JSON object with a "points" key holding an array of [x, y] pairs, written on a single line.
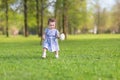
{"points": [[56, 56], [44, 55]]}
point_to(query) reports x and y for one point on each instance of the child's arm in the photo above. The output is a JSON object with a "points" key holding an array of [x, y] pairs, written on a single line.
{"points": [[43, 36], [57, 34]]}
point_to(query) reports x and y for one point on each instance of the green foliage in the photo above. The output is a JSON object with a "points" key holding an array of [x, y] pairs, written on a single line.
{"points": [[77, 14], [82, 57], [80, 14]]}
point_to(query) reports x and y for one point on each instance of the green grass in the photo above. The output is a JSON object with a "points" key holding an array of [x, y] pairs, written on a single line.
{"points": [[82, 57]]}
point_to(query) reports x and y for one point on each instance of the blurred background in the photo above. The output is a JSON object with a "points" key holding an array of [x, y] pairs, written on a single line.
{"points": [[29, 17]]}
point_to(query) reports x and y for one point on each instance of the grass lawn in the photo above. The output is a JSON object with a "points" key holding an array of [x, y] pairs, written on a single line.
{"points": [[82, 57]]}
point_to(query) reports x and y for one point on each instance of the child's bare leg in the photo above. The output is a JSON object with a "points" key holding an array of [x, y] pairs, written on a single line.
{"points": [[56, 54], [44, 53]]}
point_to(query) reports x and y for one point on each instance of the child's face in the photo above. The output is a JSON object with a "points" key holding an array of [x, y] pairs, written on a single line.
{"points": [[51, 25]]}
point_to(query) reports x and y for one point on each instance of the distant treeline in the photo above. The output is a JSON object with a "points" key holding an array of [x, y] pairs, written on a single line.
{"points": [[72, 16]]}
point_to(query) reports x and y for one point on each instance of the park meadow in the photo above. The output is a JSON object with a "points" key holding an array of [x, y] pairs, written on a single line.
{"points": [[82, 57], [90, 51]]}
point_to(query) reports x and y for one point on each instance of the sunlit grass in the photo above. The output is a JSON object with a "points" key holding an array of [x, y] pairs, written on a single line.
{"points": [[95, 36], [82, 57]]}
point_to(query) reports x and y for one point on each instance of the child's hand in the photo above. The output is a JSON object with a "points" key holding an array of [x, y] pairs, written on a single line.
{"points": [[58, 36], [43, 37]]}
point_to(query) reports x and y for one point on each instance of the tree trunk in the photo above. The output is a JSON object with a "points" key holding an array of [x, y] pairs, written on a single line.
{"points": [[64, 18], [98, 20], [41, 27], [37, 17], [25, 18], [6, 12], [59, 22]]}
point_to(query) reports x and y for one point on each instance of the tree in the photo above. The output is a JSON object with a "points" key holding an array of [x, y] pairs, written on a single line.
{"points": [[2, 16], [58, 14], [42, 9], [74, 17], [97, 14], [65, 17], [116, 14], [103, 20], [78, 16], [37, 17], [25, 18], [101, 17], [6, 13]]}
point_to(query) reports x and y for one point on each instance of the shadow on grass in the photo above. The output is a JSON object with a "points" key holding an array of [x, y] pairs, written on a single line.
{"points": [[25, 57], [19, 57]]}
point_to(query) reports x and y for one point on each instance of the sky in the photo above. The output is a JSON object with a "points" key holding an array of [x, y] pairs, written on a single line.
{"points": [[104, 4], [107, 3]]}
